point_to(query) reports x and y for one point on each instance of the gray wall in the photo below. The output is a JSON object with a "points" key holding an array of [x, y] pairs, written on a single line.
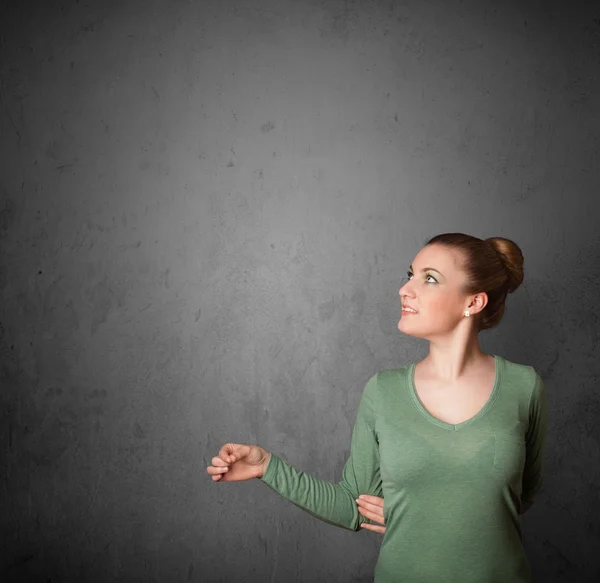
{"points": [[207, 211]]}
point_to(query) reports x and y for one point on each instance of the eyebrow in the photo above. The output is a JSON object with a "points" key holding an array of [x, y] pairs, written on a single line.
{"points": [[427, 269]]}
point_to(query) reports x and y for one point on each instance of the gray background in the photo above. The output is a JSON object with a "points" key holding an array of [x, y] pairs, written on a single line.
{"points": [[207, 210]]}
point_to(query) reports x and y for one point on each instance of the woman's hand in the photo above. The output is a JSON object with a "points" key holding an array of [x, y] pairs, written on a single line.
{"points": [[371, 507], [238, 461]]}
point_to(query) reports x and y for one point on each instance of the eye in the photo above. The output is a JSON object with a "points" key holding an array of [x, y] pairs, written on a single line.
{"points": [[409, 274]]}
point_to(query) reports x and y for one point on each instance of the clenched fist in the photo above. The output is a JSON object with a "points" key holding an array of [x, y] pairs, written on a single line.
{"points": [[238, 461]]}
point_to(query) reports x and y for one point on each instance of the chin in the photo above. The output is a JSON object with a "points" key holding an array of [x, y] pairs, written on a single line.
{"points": [[400, 327]]}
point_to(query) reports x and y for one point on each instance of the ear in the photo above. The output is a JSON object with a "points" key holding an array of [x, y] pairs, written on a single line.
{"points": [[478, 303]]}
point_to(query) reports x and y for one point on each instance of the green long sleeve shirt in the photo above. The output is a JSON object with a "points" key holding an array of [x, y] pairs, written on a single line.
{"points": [[452, 493]]}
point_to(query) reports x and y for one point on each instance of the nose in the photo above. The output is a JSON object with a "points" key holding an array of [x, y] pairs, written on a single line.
{"points": [[403, 291]]}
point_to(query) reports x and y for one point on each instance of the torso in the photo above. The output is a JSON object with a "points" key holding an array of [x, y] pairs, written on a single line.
{"points": [[455, 403]]}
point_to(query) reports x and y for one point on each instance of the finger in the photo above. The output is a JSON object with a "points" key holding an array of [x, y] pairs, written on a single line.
{"points": [[233, 452], [377, 510], [220, 476], [364, 504], [376, 500], [217, 461], [217, 470], [228, 453], [373, 527], [372, 515]]}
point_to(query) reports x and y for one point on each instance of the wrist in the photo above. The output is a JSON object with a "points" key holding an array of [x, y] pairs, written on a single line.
{"points": [[265, 462]]}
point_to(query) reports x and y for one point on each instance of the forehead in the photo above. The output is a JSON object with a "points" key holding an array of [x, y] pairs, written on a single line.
{"points": [[439, 257]]}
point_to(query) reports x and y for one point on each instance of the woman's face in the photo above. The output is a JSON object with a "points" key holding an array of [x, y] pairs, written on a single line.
{"points": [[433, 289]]}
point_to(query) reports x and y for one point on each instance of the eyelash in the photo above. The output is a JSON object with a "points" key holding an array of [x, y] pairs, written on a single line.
{"points": [[409, 273]]}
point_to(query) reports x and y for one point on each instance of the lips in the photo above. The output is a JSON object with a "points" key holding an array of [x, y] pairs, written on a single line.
{"points": [[409, 307]]}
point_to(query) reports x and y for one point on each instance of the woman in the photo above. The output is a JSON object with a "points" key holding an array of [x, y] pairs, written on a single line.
{"points": [[454, 443]]}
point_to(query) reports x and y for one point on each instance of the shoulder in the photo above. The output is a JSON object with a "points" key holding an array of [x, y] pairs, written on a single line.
{"points": [[518, 369], [523, 378], [383, 381]]}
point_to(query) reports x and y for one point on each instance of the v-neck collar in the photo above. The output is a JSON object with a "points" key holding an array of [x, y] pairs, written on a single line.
{"points": [[410, 384]]}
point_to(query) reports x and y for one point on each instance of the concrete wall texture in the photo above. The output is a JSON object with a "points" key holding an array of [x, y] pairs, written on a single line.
{"points": [[207, 209]]}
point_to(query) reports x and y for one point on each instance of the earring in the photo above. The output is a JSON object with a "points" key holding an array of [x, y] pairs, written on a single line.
{"points": [[467, 313]]}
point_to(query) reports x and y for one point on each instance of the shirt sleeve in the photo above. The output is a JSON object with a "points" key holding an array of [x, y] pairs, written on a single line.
{"points": [[534, 445], [336, 503]]}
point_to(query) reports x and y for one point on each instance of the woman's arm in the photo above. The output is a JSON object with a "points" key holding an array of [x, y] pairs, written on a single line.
{"points": [[534, 443], [336, 503]]}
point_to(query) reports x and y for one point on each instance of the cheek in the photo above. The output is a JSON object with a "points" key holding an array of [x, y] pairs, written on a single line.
{"points": [[441, 307], [443, 311]]}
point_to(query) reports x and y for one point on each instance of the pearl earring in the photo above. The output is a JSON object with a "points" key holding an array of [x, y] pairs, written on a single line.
{"points": [[467, 313]]}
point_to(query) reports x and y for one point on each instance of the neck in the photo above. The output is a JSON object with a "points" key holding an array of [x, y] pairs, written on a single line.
{"points": [[452, 358]]}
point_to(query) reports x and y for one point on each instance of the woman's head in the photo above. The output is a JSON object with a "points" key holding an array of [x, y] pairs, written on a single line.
{"points": [[453, 273]]}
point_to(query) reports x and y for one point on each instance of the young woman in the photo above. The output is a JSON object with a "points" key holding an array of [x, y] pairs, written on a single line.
{"points": [[453, 443]]}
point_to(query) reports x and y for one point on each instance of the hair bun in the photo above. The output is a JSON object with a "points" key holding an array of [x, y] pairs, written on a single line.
{"points": [[512, 258]]}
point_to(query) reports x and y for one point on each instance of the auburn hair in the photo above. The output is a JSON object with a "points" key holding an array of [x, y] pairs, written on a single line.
{"points": [[493, 266]]}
